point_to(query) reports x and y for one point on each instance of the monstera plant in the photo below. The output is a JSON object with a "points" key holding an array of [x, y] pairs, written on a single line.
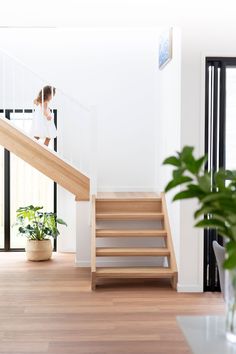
{"points": [[216, 196], [38, 227]]}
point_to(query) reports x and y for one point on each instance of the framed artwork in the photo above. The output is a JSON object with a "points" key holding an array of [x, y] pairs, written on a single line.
{"points": [[165, 48]]}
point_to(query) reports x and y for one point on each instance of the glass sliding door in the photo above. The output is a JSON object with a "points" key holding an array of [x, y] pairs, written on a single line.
{"points": [[230, 121], [23, 184], [214, 76], [220, 142], [28, 186]]}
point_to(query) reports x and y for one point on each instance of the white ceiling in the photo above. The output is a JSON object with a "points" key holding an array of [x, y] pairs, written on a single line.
{"points": [[115, 13]]}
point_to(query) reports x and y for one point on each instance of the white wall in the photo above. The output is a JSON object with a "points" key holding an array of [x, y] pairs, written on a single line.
{"points": [[168, 123], [117, 71]]}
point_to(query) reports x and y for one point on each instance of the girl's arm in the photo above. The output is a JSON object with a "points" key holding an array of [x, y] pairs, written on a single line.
{"points": [[46, 111]]}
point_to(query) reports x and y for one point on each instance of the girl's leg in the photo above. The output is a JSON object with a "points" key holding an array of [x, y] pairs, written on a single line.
{"points": [[47, 141]]}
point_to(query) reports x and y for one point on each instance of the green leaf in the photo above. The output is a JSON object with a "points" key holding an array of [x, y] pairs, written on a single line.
{"points": [[187, 194], [179, 172], [208, 209], [200, 162], [226, 233], [197, 190], [205, 183], [187, 154], [37, 208], [37, 225], [61, 222], [233, 231], [231, 247], [218, 201], [177, 181], [216, 196], [229, 175], [172, 160], [219, 178], [232, 218], [228, 205], [211, 223], [188, 159], [230, 262], [205, 209]]}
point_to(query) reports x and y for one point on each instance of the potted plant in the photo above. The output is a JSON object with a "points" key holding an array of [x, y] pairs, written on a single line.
{"points": [[216, 196], [38, 227]]}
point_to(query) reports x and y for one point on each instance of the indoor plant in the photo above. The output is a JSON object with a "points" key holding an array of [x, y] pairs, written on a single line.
{"points": [[38, 227], [216, 195]]}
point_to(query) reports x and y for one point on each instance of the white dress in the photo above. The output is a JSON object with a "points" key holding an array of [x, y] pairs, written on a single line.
{"points": [[41, 126]]}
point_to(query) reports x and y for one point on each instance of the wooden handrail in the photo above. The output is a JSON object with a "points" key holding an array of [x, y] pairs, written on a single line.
{"points": [[44, 160]]}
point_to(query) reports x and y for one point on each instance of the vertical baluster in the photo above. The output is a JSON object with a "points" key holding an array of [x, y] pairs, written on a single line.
{"points": [[3, 85], [36, 93], [13, 90], [52, 115], [23, 95], [93, 148], [43, 100], [51, 106]]}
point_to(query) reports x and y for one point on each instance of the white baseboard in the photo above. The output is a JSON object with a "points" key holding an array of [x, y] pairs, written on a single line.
{"points": [[194, 288], [65, 250]]}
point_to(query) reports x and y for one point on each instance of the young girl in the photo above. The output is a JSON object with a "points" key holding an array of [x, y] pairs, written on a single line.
{"points": [[43, 126]]}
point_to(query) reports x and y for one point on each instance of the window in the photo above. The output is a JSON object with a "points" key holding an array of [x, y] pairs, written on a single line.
{"points": [[23, 185], [220, 143]]}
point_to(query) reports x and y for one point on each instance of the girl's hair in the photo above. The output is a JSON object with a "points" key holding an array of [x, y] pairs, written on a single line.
{"points": [[45, 93]]}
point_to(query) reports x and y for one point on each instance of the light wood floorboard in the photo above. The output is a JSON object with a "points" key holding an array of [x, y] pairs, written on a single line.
{"points": [[48, 308]]}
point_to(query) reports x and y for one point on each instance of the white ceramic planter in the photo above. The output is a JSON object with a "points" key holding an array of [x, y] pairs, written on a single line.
{"points": [[38, 250]]}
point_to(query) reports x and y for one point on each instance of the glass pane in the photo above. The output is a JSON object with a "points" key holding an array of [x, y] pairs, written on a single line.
{"points": [[230, 134], [1, 197], [28, 186]]}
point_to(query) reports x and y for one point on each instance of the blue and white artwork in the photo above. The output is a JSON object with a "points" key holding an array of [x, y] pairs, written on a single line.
{"points": [[165, 48]]}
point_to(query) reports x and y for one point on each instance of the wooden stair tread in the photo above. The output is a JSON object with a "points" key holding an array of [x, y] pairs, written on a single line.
{"points": [[130, 233], [128, 199], [130, 216], [131, 251], [128, 196], [128, 205], [135, 272]]}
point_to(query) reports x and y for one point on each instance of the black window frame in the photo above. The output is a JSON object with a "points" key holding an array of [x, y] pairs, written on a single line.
{"points": [[211, 276]]}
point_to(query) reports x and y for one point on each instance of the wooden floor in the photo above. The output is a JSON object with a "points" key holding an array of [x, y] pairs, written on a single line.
{"points": [[48, 308]]}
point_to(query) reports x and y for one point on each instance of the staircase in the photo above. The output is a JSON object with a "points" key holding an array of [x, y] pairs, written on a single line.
{"points": [[132, 217], [44, 160]]}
